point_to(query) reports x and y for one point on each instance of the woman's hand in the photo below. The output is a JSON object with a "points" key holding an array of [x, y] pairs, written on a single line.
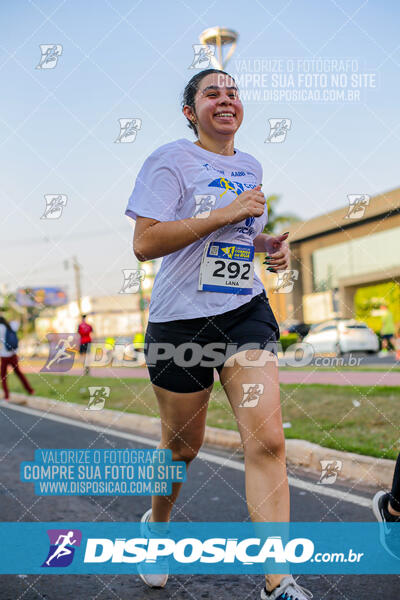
{"points": [[247, 204], [278, 252]]}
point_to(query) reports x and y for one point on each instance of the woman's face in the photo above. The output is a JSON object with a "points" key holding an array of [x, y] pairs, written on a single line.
{"points": [[218, 107]]}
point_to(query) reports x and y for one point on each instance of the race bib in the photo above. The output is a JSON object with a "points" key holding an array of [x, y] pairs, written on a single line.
{"points": [[227, 268]]}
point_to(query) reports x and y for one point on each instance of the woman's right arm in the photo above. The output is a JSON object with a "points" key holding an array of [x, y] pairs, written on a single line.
{"points": [[153, 238]]}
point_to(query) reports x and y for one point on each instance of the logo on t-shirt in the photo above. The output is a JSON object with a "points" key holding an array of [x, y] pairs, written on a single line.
{"points": [[237, 188], [211, 168], [232, 186], [242, 174]]}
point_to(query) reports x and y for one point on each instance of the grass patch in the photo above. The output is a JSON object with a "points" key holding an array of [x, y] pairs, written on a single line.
{"points": [[323, 414]]}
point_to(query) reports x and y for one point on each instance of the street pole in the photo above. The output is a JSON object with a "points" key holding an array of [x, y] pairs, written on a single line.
{"points": [[77, 271]]}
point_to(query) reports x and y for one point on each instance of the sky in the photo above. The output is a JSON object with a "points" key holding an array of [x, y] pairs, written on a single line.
{"points": [[132, 59]]}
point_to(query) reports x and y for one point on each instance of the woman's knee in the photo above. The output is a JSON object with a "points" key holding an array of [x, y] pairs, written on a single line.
{"points": [[265, 444], [184, 449]]}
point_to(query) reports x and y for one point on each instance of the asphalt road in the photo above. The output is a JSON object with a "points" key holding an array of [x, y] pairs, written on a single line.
{"points": [[206, 496]]}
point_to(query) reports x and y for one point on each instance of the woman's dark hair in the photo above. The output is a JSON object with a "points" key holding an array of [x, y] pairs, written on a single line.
{"points": [[190, 91]]}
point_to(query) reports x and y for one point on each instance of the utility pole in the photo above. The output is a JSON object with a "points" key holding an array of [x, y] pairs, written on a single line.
{"points": [[77, 271]]}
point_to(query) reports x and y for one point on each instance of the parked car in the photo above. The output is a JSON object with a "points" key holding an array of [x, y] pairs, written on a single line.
{"points": [[301, 329], [340, 336]]}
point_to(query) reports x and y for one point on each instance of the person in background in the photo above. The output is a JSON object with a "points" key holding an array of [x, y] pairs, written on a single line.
{"points": [[8, 354], [387, 329], [85, 330], [397, 342]]}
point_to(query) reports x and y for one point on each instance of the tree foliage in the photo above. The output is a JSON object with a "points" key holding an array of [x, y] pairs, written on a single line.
{"points": [[278, 221]]}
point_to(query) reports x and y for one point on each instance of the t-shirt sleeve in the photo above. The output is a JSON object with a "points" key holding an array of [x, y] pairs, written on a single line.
{"points": [[157, 191]]}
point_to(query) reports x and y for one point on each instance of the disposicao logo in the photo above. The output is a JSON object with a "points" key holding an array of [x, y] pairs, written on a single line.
{"points": [[191, 550], [62, 547]]}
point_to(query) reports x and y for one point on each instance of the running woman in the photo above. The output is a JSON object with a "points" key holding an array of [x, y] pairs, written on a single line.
{"points": [[200, 206]]}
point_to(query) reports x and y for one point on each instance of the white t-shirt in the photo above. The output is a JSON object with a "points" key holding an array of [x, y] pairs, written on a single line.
{"points": [[165, 190]]}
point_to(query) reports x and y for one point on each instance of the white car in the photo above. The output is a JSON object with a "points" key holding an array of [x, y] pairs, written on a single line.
{"points": [[342, 336]]}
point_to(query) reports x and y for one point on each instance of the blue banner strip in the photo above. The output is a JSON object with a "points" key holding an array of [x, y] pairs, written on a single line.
{"points": [[200, 548]]}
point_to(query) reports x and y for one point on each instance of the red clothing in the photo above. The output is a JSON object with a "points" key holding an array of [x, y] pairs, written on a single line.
{"points": [[84, 331], [12, 361]]}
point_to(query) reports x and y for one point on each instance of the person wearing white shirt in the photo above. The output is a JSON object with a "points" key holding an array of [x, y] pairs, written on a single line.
{"points": [[9, 358], [199, 205]]}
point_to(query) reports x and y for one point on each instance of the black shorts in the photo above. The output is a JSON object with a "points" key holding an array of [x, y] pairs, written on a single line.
{"points": [[83, 348], [387, 336], [181, 355]]}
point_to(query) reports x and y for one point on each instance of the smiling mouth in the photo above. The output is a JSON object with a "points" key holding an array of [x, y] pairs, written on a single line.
{"points": [[224, 116]]}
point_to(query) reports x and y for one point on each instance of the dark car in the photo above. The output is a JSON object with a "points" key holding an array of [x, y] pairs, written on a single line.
{"points": [[301, 329]]}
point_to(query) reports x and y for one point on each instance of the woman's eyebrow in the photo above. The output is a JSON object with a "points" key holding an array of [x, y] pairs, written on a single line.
{"points": [[216, 87]]}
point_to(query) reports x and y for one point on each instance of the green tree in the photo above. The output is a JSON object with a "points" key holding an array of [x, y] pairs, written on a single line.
{"points": [[278, 222]]}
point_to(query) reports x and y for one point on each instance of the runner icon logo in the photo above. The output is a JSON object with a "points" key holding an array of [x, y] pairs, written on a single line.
{"points": [[62, 350], [50, 54], [62, 547], [330, 469], [132, 279], [251, 394], [203, 54], [278, 130], [128, 130], [204, 204], [54, 206], [357, 205], [286, 280], [98, 395]]}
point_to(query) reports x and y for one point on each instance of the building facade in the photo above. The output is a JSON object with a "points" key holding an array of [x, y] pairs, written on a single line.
{"points": [[346, 258]]}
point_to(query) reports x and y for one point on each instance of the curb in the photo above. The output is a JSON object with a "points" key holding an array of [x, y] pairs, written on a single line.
{"points": [[366, 470]]}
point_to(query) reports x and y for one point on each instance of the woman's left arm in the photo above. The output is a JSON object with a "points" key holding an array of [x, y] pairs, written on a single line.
{"points": [[276, 247]]}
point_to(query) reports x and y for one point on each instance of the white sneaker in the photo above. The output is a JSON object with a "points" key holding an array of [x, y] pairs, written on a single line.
{"points": [[154, 580], [288, 589]]}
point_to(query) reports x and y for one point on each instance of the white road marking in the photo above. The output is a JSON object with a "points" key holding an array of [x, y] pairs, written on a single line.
{"points": [[321, 490]]}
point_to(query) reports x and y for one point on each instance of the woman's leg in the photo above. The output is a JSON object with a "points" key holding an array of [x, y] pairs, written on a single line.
{"points": [[18, 372], [4, 364], [261, 431], [183, 420]]}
